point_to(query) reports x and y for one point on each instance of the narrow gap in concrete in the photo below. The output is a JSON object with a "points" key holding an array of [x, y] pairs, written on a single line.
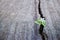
{"points": [[39, 10], [43, 35]]}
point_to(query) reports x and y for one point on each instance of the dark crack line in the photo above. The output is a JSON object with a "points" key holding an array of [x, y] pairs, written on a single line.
{"points": [[39, 10], [43, 35]]}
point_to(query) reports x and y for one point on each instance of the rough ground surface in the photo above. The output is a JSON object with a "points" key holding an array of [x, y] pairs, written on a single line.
{"points": [[51, 10], [17, 19]]}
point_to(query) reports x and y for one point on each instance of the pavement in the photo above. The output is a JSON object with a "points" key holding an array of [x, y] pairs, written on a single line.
{"points": [[17, 19], [50, 9]]}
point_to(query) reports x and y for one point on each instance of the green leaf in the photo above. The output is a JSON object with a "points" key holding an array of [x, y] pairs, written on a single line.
{"points": [[40, 21]]}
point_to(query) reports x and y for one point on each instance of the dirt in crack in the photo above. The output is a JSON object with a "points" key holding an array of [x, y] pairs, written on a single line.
{"points": [[43, 35]]}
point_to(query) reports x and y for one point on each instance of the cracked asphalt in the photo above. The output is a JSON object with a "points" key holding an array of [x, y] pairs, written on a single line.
{"points": [[17, 19], [51, 10]]}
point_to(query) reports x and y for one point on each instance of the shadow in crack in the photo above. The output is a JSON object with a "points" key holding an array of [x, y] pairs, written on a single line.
{"points": [[43, 35]]}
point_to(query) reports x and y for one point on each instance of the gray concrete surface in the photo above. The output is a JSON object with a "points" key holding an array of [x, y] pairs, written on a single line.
{"points": [[17, 19], [51, 10]]}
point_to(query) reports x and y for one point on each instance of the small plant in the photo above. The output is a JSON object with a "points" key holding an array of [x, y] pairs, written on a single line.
{"points": [[41, 22]]}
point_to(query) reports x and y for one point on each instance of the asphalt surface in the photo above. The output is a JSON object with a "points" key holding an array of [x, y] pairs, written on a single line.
{"points": [[50, 9], [17, 19]]}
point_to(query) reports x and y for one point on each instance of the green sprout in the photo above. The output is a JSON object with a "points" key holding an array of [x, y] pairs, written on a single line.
{"points": [[41, 22]]}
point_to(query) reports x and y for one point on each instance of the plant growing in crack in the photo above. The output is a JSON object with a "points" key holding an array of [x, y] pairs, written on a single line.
{"points": [[42, 23]]}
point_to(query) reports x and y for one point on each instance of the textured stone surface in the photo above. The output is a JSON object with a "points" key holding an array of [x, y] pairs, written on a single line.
{"points": [[17, 19], [50, 9]]}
